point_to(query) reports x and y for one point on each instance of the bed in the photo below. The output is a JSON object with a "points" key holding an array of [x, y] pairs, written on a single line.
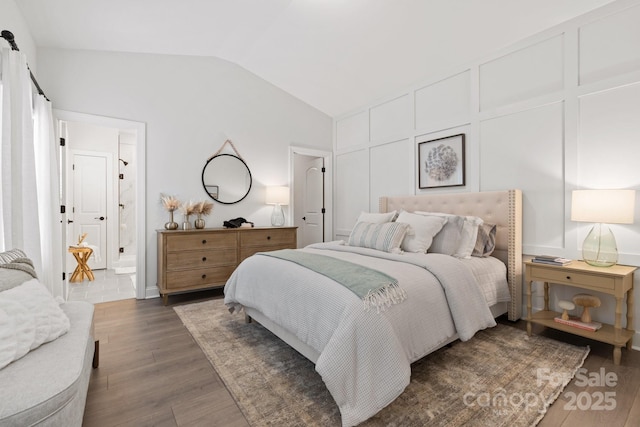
{"points": [[364, 355]]}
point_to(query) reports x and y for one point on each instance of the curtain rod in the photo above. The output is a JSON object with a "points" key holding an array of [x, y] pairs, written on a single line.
{"points": [[8, 36]]}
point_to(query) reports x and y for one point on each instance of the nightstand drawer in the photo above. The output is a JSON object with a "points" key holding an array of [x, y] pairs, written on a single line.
{"points": [[569, 277]]}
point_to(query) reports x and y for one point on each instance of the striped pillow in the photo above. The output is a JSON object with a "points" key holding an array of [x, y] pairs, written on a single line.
{"points": [[385, 237], [13, 254]]}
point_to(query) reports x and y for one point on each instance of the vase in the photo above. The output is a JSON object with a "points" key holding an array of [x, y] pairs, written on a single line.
{"points": [[186, 225], [171, 225], [199, 222], [277, 217]]}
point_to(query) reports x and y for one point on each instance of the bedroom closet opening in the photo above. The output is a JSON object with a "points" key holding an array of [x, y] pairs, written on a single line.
{"points": [[99, 169]]}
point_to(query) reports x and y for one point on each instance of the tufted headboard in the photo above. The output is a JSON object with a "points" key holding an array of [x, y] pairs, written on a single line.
{"points": [[503, 208]]}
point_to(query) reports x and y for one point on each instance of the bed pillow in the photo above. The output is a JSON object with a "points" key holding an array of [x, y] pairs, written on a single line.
{"points": [[10, 278], [449, 238], [486, 240], [377, 218], [29, 317], [9, 256], [16, 271], [467, 235], [422, 230], [385, 237]]}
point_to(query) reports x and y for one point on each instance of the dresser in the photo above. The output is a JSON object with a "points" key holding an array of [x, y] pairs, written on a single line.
{"points": [[191, 260]]}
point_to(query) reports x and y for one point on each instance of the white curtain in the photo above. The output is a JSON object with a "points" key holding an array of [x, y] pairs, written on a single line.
{"points": [[28, 169], [47, 173]]}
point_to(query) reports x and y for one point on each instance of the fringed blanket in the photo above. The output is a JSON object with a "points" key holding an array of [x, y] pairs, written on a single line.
{"points": [[23, 264], [376, 289]]}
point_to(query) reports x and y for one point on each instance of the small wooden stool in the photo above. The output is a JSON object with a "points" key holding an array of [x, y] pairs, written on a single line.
{"points": [[81, 254]]}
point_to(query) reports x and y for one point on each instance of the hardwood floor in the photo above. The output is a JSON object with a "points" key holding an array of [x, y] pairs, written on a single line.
{"points": [[152, 373]]}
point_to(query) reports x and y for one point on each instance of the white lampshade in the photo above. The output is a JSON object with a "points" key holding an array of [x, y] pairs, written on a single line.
{"points": [[606, 206], [277, 196], [602, 207]]}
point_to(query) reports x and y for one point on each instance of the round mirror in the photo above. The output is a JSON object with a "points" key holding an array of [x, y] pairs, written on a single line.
{"points": [[226, 178]]}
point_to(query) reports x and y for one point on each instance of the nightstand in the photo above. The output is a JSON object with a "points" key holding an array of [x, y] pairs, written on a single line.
{"points": [[616, 281]]}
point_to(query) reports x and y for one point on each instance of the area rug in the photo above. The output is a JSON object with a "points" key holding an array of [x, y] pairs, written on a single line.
{"points": [[501, 377]]}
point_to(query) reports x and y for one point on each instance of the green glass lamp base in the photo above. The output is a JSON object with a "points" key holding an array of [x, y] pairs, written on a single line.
{"points": [[599, 248]]}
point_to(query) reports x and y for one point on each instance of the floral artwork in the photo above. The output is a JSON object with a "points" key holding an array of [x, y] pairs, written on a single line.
{"points": [[441, 162]]}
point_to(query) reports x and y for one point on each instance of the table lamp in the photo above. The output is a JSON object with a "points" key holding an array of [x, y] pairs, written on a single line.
{"points": [[277, 196], [602, 207]]}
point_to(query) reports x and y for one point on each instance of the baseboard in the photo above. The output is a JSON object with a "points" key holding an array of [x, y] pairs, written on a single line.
{"points": [[152, 292]]}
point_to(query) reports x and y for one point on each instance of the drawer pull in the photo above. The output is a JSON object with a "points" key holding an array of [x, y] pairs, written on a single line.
{"points": [[568, 277], [204, 258], [204, 242], [268, 237], [204, 276]]}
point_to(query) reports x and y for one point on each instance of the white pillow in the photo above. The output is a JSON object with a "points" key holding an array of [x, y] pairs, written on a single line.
{"points": [[385, 237], [376, 218], [17, 333], [423, 229], [455, 241], [34, 318]]}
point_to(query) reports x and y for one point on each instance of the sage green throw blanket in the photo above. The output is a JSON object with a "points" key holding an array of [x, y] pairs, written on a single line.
{"points": [[375, 288]]}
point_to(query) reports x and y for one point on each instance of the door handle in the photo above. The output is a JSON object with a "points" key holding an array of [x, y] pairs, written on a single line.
{"points": [[100, 218], [69, 221], [304, 218]]}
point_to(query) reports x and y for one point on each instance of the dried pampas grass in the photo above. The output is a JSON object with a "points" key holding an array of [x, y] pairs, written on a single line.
{"points": [[204, 207], [188, 208], [170, 203]]}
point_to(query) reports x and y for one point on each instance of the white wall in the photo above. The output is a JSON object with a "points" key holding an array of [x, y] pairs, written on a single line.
{"points": [[11, 20], [190, 106], [552, 113]]}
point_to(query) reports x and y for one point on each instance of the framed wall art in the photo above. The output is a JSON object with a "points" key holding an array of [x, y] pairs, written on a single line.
{"points": [[441, 162]]}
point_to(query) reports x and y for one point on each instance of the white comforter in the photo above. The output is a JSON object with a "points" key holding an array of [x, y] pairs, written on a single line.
{"points": [[365, 356]]}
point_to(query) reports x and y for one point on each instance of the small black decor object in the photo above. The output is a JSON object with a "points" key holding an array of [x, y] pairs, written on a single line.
{"points": [[236, 222]]}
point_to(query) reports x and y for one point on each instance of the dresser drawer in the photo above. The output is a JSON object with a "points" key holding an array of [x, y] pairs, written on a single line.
{"points": [[196, 241], [572, 278], [188, 260], [268, 238], [198, 278], [247, 252]]}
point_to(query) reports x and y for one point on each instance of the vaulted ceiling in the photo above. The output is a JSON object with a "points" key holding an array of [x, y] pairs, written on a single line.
{"points": [[336, 55]]}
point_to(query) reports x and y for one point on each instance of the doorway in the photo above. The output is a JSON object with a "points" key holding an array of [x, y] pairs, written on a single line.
{"points": [[312, 184], [91, 194], [102, 182]]}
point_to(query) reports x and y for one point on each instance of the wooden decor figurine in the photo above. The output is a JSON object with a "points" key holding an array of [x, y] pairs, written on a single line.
{"points": [[586, 301], [566, 306], [81, 238]]}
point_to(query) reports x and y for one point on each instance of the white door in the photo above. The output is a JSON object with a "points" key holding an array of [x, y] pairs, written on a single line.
{"points": [[89, 209], [313, 202]]}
